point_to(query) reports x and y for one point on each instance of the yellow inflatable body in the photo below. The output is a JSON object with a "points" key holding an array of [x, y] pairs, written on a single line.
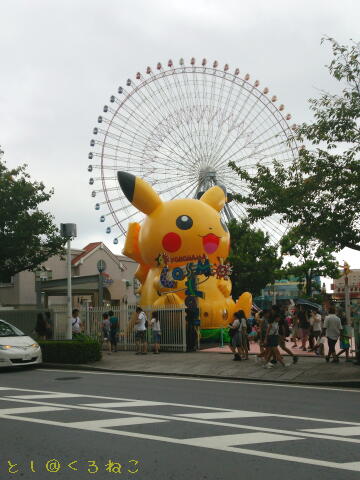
{"points": [[181, 247]]}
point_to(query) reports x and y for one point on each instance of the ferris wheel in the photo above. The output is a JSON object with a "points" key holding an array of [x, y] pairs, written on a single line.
{"points": [[178, 127]]}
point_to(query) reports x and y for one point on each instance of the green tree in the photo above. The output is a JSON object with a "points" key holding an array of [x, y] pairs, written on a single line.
{"points": [[313, 259], [255, 261], [320, 190], [28, 235]]}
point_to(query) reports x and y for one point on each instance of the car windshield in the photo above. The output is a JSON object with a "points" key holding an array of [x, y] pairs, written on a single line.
{"points": [[7, 330]]}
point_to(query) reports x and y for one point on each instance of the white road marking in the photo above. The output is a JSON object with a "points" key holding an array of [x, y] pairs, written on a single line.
{"points": [[342, 431], [223, 441], [113, 422], [132, 403], [225, 414], [353, 466], [197, 421], [48, 395], [202, 407], [214, 380], [14, 411]]}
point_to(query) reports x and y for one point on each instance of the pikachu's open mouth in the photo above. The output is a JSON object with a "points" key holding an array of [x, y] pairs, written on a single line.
{"points": [[210, 243]]}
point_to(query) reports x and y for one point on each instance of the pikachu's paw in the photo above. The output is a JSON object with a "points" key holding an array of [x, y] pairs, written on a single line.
{"points": [[168, 299]]}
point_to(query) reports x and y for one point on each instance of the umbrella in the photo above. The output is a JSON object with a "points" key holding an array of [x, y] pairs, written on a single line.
{"points": [[302, 301]]}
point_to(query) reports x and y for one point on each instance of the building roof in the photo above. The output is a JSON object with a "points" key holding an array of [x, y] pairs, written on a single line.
{"points": [[86, 250]]}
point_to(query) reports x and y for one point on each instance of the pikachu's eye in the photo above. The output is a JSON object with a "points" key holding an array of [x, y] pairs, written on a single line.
{"points": [[184, 222]]}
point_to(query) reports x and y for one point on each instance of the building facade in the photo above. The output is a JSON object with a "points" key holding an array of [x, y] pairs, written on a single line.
{"points": [[98, 275], [338, 286]]}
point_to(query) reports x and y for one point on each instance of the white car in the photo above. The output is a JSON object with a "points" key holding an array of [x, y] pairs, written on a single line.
{"points": [[16, 348]]}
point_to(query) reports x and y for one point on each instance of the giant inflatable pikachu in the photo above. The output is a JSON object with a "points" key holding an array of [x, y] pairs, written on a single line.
{"points": [[179, 230]]}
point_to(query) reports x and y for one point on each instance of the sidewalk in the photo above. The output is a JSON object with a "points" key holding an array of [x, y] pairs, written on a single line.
{"points": [[308, 370]]}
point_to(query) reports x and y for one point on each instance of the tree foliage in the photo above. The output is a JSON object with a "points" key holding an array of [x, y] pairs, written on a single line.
{"points": [[28, 235], [255, 262], [320, 190], [313, 259]]}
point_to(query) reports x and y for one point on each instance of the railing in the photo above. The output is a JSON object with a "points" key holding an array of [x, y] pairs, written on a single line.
{"points": [[25, 320], [172, 321]]}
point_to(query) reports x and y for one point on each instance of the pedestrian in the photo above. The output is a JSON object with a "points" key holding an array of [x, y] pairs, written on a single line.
{"points": [[333, 327], [284, 332], [114, 331], [304, 326], [156, 331], [237, 328], [272, 342], [140, 332], [263, 323], [106, 330], [76, 323], [235, 333], [295, 329], [41, 326], [344, 340], [49, 326], [355, 310], [315, 329]]}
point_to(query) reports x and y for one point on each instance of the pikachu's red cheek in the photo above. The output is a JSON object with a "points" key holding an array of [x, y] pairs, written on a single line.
{"points": [[171, 242]]}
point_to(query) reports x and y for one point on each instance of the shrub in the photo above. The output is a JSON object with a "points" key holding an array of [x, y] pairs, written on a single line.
{"points": [[82, 350]]}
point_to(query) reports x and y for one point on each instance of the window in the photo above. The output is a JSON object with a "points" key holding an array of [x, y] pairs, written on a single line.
{"points": [[6, 280]]}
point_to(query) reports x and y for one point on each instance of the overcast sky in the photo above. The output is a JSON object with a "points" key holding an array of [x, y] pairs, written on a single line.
{"points": [[61, 60]]}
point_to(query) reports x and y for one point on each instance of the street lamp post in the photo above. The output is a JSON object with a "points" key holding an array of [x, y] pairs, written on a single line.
{"points": [[346, 268], [68, 231]]}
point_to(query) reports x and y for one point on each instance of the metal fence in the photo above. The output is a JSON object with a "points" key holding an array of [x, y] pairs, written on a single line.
{"points": [[172, 321], [25, 320]]}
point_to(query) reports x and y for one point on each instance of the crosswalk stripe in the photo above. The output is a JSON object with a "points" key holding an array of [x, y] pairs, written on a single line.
{"points": [[18, 410], [46, 395], [227, 414], [135, 403], [113, 422], [223, 441], [352, 466], [338, 431]]}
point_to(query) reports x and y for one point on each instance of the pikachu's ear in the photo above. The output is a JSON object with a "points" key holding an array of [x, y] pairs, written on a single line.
{"points": [[215, 197], [139, 192]]}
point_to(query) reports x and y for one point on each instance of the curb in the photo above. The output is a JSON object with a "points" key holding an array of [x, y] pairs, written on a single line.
{"points": [[355, 384]]}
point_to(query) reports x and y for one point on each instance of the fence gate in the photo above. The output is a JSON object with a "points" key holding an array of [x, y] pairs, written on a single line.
{"points": [[172, 322]]}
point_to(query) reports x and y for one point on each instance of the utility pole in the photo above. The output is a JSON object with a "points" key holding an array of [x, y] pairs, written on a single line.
{"points": [[68, 231], [346, 269]]}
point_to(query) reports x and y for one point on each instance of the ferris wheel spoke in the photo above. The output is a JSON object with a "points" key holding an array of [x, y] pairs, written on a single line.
{"points": [[255, 154], [143, 120], [252, 141], [183, 106], [222, 120], [165, 100], [171, 188], [221, 107], [247, 95], [190, 188]]}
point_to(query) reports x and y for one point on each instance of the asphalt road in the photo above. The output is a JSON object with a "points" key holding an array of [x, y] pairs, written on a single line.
{"points": [[159, 428]]}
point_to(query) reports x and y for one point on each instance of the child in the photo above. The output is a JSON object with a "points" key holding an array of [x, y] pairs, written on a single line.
{"points": [[344, 340]]}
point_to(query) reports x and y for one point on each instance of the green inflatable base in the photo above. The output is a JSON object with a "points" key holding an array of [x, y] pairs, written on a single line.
{"points": [[218, 335]]}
